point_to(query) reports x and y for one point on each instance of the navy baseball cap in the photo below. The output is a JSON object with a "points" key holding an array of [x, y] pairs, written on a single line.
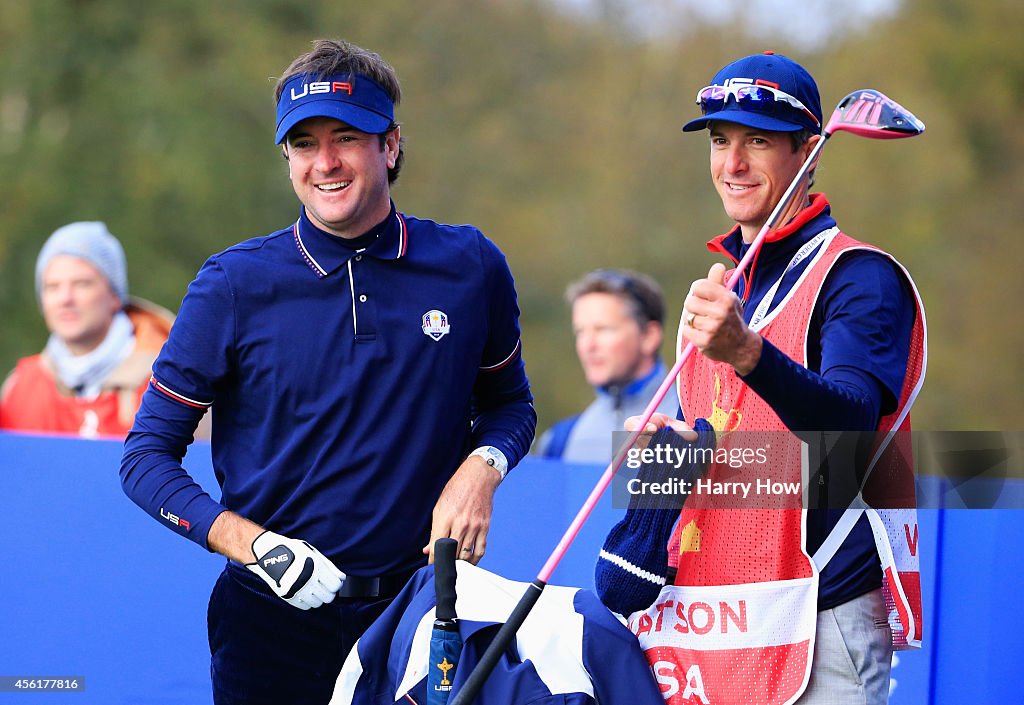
{"points": [[766, 91], [355, 99]]}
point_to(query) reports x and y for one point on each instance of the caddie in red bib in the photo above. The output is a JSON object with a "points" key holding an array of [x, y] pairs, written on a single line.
{"points": [[766, 595]]}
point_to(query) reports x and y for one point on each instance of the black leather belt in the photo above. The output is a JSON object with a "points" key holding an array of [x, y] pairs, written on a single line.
{"points": [[354, 585], [373, 586]]}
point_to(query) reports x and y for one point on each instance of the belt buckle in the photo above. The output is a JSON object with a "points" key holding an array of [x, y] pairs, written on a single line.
{"points": [[359, 586]]}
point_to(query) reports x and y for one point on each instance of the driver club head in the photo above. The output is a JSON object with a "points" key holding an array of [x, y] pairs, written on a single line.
{"points": [[870, 113]]}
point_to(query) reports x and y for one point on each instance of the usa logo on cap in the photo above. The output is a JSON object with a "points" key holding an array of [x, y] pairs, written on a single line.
{"points": [[435, 324]]}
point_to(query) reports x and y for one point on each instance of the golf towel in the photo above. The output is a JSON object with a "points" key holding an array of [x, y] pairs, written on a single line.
{"points": [[570, 649]]}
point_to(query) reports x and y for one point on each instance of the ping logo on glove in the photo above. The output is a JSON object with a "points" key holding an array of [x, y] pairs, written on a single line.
{"points": [[277, 561], [296, 572]]}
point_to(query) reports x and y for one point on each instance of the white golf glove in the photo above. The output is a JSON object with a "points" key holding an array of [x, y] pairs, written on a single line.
{"points": [[296, 572]]}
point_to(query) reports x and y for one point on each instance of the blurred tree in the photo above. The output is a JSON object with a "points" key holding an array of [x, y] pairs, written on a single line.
{"points": [[557, 134]]}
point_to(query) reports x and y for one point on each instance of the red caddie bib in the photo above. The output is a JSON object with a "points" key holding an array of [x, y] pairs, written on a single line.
{"points": [[739, 624]]}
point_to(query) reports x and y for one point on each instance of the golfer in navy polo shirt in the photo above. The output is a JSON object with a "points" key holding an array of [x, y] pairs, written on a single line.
{"points": [[369, 394]]}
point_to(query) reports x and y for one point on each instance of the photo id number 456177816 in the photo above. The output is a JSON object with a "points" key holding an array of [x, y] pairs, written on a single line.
{"points": [[21, 684]]}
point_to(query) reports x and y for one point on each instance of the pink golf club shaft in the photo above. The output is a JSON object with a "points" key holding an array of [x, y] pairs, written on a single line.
{"points": [[867, 113]]}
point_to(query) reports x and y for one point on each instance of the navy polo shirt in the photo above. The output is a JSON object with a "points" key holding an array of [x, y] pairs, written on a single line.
{"points": [[348, 381], [857, 347]]}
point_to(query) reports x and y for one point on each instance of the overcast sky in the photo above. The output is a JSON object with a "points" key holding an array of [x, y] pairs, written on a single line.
{"points": [[809, 23]]}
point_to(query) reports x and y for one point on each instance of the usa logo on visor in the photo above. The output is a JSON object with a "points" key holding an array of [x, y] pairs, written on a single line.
{"points": [[435, 324], [354, 99]]}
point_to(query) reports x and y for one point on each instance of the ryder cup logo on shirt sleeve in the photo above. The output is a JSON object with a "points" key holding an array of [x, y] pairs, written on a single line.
{"points": [[435, 324]]}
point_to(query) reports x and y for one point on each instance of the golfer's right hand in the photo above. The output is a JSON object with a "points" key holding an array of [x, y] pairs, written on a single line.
{"points": [[296, 572]]}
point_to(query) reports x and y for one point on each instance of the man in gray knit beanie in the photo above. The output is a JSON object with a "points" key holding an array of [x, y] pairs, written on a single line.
{"points": [[92, 242], [98, 358]]}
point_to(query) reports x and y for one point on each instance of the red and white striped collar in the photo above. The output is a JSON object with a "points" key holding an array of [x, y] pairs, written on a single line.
{"points": [[324, 253]]}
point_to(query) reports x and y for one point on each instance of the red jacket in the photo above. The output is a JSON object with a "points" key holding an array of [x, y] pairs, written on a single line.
{"points": [[34, 399]]}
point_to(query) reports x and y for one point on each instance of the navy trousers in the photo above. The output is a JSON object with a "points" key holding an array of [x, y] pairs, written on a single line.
{"points": [[266, 652]]}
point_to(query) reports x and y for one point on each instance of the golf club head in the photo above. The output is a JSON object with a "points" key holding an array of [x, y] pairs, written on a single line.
{"points": [[872, 114]]}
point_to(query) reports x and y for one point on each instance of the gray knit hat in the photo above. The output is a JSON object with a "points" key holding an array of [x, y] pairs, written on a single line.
{"points": [[92, 242]]}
